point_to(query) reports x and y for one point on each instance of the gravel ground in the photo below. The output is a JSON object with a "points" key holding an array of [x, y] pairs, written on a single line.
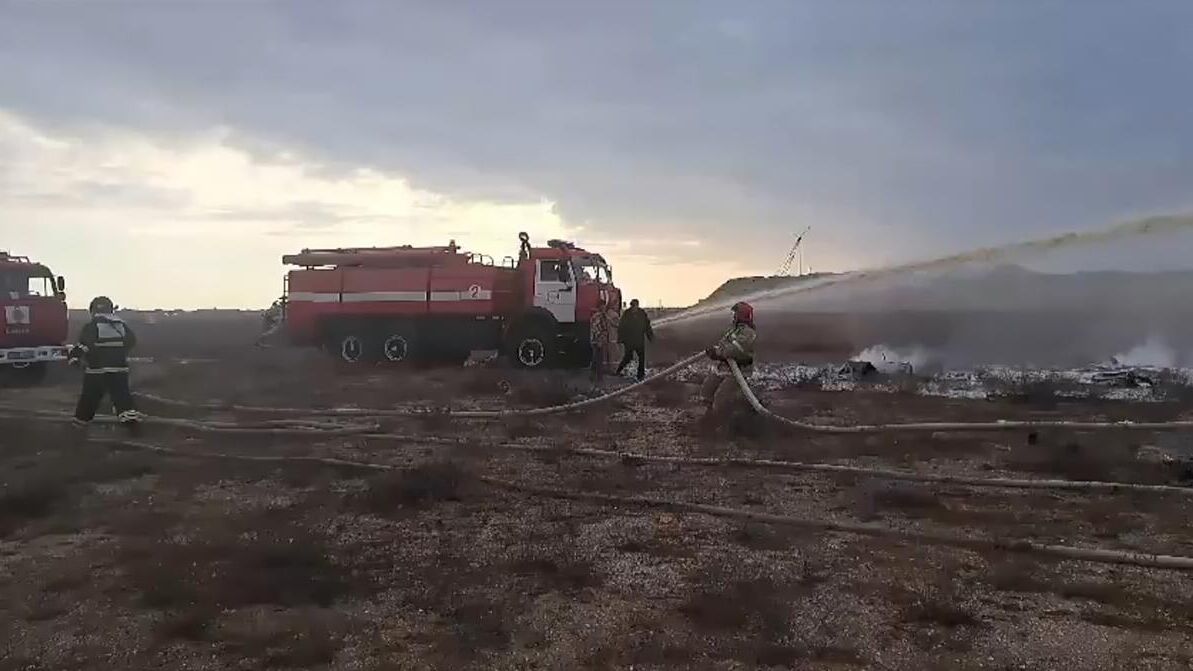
{"points": [[130, 560]]}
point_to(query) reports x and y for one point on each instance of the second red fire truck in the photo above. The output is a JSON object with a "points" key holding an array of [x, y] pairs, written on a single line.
{"points": [[415, 303], [33, 318]]}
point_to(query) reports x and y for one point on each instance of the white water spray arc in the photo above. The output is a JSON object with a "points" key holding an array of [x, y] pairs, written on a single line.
{"points": [[1130, 229]]}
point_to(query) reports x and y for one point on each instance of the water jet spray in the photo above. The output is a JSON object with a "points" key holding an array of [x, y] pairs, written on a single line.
{"points": [[1139, 227]]}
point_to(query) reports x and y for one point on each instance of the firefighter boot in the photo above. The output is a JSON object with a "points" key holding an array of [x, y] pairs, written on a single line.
{"points": [[130, 421]]}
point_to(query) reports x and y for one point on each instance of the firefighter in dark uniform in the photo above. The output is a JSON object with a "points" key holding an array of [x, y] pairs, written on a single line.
{"points": [[103, 348], [633, 331]]}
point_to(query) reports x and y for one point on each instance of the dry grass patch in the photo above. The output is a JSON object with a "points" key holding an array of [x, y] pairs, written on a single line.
{"points": [[757, 536], [477, 626], [288, 643], [723, 601], [872, 497], [415, 487], [1132, 608], [543, 390], [558, 568], [518, 428], [478, 381], [1090, 457], [43, 485], [231, 564], [941, 603], [670, 393]]}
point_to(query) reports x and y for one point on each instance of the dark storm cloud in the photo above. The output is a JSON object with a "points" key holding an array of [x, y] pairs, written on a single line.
{"points": [[907, 128]]}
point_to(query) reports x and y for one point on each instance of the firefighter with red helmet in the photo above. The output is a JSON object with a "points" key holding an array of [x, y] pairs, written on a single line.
{"points": [[720, 390], [103, 348]]}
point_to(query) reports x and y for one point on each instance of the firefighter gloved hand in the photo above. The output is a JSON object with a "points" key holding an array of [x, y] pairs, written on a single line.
{"points": [[73, 361]]}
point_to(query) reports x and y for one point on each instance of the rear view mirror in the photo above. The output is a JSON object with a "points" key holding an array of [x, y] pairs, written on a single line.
{"points": [[61, 284]]}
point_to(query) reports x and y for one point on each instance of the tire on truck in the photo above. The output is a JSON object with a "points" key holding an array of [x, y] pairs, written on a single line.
{"points": [[353, 343], [398, 343], [532, 344]]}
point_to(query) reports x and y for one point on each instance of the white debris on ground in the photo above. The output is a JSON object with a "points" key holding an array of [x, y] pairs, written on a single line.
{"points": [[1107, 382]]}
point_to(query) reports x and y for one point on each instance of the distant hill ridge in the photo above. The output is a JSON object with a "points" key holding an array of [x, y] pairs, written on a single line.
{"points": [[1005, 287], [745, 286]]}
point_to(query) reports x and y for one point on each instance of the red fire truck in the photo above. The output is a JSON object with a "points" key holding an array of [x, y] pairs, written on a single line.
{"points": [[417, 303], [33, 318]]}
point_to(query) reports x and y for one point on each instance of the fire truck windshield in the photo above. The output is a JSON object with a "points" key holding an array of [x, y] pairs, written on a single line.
{"points": [[593, 269], [22, 284]]}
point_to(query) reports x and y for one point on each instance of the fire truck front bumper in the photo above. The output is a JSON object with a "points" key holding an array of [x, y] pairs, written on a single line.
{"points": [[23, 356]]}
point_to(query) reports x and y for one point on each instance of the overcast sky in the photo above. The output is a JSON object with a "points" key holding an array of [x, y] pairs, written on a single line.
{"points": [[168, 153]]}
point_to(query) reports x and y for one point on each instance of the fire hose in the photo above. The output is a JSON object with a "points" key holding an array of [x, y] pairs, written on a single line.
{"points": [[1019, 546], [936, 538], [460, 414], [748, 393], [315, 428], [374, 433]]}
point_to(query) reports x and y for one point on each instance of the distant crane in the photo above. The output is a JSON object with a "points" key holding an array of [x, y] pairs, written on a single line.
{"points": [[795, 252]]}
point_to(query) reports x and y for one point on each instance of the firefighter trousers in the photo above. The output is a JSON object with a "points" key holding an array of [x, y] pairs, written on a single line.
{"points": [[599, 356], [113, 385], [722, 395], [631, 350]]}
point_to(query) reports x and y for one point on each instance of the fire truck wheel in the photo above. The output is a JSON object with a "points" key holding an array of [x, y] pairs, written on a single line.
{"points": [[532, 348], [351, 348], [396, 348]]}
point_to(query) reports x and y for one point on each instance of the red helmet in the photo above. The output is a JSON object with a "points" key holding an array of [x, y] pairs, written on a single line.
{"points": [[743, 313]]}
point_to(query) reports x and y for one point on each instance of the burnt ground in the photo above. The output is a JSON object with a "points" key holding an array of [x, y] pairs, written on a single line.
{"points": [[124, 559]]}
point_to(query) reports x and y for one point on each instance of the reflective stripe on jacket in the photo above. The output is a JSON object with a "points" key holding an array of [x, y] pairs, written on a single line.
{"points": [[104, 344]]}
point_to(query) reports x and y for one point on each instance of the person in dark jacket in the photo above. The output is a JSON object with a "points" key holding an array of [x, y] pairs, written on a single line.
{"points": [[103, 348], [633, 332]]}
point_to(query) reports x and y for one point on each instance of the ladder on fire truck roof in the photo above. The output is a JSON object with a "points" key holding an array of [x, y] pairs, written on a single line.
{"points": [[372, 256], [9, 258], [451, 247]]}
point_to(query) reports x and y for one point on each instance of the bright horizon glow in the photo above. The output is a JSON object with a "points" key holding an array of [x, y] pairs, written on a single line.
{"points": [[199, 222]]}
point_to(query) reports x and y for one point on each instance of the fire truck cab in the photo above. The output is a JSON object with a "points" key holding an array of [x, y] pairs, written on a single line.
{"points": [[33, 317], [418, 303]]}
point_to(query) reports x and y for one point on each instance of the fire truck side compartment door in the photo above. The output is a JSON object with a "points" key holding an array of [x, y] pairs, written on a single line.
{"points": [[554, 289]]}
